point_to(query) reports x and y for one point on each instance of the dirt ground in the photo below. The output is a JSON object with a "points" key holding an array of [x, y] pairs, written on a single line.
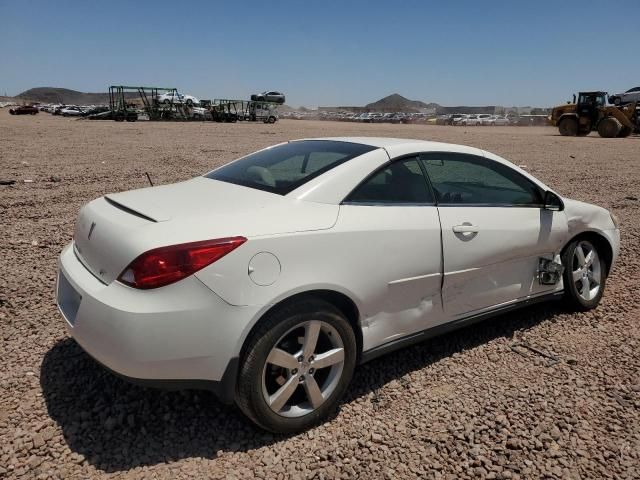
{"points": [[464, 405]]}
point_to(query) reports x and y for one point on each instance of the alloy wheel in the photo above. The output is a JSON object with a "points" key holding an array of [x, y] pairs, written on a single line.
{"points": [[586, 270], [303, 369]]}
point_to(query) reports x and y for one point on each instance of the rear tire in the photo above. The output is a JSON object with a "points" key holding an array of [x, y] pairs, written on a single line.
{"points": [[278, 387], [609, 127], [568, 127], [585, 274]]}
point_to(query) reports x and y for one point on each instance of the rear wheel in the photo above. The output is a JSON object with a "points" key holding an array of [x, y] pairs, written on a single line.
{"points": [[568, 127], [609, 127], [584, 275], [297, 366]]}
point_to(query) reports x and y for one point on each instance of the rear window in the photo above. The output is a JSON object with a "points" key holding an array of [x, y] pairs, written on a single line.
{"points": [[283, 168]]}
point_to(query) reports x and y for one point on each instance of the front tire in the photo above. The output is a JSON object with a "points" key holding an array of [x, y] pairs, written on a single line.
{"points": [[584, 276], [568, 127], [609, 127], [296, 366]]}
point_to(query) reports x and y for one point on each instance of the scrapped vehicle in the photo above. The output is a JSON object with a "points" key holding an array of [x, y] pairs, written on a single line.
{"points": [[170, 97], [630, 96], [500, 121], [458, 118], [201, 113], [72, 112], [95, 111], [269, 279], [23, 110], [470, 121], [57, 110], [275, 97]]}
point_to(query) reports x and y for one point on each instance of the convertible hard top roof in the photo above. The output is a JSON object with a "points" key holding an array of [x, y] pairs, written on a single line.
{"points": [[384, 142]]}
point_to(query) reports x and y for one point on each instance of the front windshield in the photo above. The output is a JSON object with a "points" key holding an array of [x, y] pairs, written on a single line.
{"points": [[283, 168]]}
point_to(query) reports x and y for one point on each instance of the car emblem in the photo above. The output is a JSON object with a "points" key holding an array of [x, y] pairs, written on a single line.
{"points": [[93, 225]]}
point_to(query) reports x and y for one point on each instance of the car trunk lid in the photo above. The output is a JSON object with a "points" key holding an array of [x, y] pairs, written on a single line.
{"points": [[113, 230]]}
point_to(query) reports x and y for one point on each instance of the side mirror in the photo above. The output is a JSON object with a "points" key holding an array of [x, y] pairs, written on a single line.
{"points": [[553, 202]]}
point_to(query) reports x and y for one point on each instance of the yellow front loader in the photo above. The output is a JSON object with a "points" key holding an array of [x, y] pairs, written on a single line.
{"points": [[591, 112]]}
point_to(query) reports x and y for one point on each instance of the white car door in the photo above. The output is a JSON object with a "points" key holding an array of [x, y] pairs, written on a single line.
{"points": [[494, 231], [397, 266]]}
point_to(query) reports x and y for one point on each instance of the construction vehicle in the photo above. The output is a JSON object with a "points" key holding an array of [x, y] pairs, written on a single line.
{"points": [[591, 112]]}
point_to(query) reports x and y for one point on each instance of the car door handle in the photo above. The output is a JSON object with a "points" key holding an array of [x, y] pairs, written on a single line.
{"points": [[465, 228]]}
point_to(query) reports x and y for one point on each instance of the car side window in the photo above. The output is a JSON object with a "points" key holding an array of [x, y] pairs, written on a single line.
{"points": [[460, 179], [402, 182]]}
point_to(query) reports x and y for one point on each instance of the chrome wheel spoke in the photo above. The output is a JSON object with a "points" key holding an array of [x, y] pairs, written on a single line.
{"points": [[329, 358], [314, 394], [580, 255], [577, 275], [282, 359], [311, 333], [280, 397], [588, 259]]}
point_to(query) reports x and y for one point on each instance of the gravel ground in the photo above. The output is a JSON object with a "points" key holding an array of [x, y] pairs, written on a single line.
{"points": [[459, 406]]}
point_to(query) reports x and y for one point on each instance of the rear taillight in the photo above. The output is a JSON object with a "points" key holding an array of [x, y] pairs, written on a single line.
{"points": [[165, 265]]}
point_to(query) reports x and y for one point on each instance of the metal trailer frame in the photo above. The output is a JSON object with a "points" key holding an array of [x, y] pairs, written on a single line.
{"points": [[122, 110], [230, 110]]}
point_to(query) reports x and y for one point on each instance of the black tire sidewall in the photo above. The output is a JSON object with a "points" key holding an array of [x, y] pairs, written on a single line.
{"points": [[249, 395], [562, 125], [572, 296]]}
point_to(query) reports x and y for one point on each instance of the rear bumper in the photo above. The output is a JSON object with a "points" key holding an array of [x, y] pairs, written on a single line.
{"points": [[179, 336]]}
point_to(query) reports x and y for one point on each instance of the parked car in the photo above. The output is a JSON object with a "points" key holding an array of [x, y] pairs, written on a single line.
{"points": [[23, 110], [631, 95], [275, 97], [500, 121], [458, 118], [71, 112], [201, 113], [268, 279], [485, 119], [57, 109], [470, 121], [178, 98]]}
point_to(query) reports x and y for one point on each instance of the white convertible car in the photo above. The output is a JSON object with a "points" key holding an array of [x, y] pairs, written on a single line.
{"points": [[268, 279]]}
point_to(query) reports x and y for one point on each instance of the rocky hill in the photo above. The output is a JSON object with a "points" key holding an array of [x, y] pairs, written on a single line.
{"points": [[397, 103], [64, 95]]}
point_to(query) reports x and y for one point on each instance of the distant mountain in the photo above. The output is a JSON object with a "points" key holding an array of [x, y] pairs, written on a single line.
{"points": [[398, 103], [64, 95]]}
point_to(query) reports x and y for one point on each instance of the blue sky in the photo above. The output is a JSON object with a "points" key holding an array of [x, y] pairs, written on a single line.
{"points": [[326, 52]]}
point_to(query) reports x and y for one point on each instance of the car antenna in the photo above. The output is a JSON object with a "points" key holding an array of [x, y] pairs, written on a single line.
{"points": [[149, 178]]}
